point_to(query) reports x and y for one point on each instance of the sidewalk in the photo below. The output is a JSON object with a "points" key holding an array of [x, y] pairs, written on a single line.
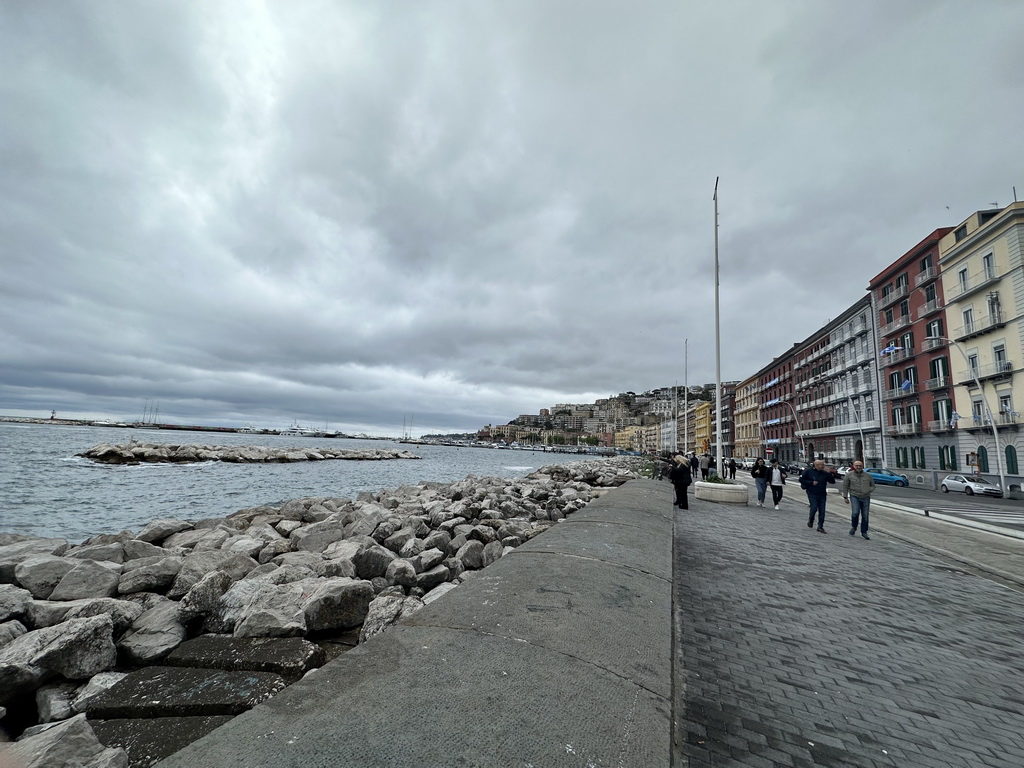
{"points": [[559, 654], [802, 649]]}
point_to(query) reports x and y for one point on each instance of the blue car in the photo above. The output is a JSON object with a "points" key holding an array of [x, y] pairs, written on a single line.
{"points": [[887, 477]]}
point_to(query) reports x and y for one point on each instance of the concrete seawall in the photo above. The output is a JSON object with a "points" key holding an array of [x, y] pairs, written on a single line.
{"points": [[559, 654]]}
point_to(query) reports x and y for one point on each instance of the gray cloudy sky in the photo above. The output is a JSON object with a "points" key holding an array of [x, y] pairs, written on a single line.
{"points": [[355, 212]]}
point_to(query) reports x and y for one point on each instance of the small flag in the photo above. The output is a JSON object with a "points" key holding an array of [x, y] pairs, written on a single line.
{"points": [[891, 349], [953, 420], [906, 385]]}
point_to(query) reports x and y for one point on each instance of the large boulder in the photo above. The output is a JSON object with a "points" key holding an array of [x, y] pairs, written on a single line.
{"points": [[53, 701], [39, 574], [158, 530], [70, 743], [149, 574], [10, 630], [384, 611], [16, 551], [316, 537], [339, 603], [373, 561], [87, 579], [471, 555], [198, 564], [74, 649], [271, 612], [401, 572], [153, 635], [13, 601], [43, 613], [112, 552], [203, 598]]}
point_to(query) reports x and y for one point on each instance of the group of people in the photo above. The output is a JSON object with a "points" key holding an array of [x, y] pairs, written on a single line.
{"points": [[856, 487]]}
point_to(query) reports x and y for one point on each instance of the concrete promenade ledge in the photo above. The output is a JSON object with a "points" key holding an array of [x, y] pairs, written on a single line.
{"points": [[635, 635], [559, 654]]}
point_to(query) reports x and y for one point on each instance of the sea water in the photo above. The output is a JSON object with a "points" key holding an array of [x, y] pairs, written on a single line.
{"points": [[47, 490]]}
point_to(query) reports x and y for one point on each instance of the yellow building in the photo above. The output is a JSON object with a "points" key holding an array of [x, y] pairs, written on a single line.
{"points": [[748, 419], [982, 268], [702, 429], [625, 439]]}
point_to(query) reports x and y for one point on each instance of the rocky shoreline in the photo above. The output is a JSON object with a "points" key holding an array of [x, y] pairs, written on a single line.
{"points": [[103, 645], [135, 452]]}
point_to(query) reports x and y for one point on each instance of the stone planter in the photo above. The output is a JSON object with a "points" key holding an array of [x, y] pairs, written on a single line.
{"points": [[732, 493]]}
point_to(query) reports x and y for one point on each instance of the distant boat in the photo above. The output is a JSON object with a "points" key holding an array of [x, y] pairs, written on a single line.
{"points": [[107, 423], [298, 431], [249, 429]]}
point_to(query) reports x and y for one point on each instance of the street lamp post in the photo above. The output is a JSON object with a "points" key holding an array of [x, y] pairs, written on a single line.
{"points": [[796, 419], [984, 399], [718, 350]]}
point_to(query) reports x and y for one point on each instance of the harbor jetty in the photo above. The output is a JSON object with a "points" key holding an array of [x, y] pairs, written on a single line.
{"points": [[135, 452], [122, 649]]}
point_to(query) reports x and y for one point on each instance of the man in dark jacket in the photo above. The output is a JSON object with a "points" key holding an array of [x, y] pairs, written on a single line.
{"points": [[681, 479], [815, 481]]}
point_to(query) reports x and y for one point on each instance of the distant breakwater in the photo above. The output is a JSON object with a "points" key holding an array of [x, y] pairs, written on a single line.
{"points": [[159, 453]]}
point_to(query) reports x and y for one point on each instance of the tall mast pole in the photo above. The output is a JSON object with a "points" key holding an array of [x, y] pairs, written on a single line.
{"points": [[686, 395], [718, 355]]}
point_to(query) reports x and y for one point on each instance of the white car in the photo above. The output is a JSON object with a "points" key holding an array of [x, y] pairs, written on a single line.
{"points": [[970, 485]]}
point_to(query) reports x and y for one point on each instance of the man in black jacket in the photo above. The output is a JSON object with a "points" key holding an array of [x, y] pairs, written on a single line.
{"points": [[815, 481], [681, 479]]}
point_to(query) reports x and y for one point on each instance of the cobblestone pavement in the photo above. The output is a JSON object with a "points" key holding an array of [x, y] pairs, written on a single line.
{"points": [[801, 649]]}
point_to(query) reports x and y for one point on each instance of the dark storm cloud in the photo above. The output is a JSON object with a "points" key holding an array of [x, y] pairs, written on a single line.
{"points": [[353, 213]]}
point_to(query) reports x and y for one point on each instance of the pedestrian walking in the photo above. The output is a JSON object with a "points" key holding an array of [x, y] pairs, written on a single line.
{"points": [[760, 475], [694, 465], [857, 488], [732, 469], [681, 479], [815, 481], [777, 480], [705, 466]]}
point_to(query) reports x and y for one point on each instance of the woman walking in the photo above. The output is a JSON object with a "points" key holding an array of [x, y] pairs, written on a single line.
{"points": [[760, 475], [776, 479], [681, 479]]}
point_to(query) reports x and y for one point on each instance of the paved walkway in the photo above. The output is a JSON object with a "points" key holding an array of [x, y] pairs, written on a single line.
{"points": [[798, 649]]}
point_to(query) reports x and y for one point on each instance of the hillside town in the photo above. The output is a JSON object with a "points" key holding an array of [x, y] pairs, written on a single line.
{"points": [[924, 372]]}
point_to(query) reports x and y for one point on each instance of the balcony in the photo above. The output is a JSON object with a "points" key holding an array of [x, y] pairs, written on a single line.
{"points": [[979, 326], [992, 370], [935, 427], [892, 394], [973, 283], [902, 430], [894, 326], [1003, 421], [899, 355], [933, 342], [894, 295], [925, 276], [939, 382], [930, 308]]}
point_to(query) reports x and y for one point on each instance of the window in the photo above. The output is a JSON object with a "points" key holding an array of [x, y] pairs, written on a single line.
{"points": [[977, 411], [909, 374], [894, 380], [961, 277], [929, 293], [888, 316], [999, 353], [934, 328], [982, 458], [960, 233], [886, 290], [968, 316], [907, 342], [988, 266], [939, 368], [914, 414], [902, 281], [947, 457], [972, 364], [926, 263], [1011, 460], [898, 416], [905, 308], [942, 410]]}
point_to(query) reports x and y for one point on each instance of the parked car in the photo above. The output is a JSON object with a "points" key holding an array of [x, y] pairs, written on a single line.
{"points": [[970, 485], [887, 477]]}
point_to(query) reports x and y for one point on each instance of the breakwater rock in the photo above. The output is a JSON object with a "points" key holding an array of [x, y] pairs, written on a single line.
{"points": [[141, 453], [110, 640]]}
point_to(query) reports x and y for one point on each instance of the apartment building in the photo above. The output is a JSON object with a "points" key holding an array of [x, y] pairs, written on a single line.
{"points": [[747, 422], [982, 272], [836, 389], [777, 413], [686, 428], [916, 385], [702, 426]]}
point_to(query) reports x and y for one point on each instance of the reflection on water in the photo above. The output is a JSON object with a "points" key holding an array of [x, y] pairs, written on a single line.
{"points": [[46, 490]]}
